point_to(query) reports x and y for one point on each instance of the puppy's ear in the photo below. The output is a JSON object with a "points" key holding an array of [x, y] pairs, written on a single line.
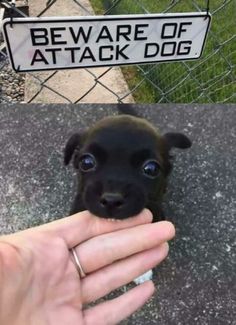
{"points": [[177, 140], [73, 143]]}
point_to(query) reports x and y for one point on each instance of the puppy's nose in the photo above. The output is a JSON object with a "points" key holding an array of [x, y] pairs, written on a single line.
{"points": [[112, 200]]}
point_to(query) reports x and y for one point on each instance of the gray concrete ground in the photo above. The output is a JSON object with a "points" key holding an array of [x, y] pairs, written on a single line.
{"points": [[197, 283], [73, 84]]}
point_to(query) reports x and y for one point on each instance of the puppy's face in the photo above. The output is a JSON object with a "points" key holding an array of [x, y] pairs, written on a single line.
{"points": [[122, 162]]}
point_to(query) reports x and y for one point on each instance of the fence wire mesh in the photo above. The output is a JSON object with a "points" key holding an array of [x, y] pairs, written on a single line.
{"points": [[210, 79]]}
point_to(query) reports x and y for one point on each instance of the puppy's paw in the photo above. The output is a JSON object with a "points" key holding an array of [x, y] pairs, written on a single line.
{"points": [[144, 277]]}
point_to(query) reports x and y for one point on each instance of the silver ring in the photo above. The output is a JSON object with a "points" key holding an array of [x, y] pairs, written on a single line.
{"points": [[77, 264]]}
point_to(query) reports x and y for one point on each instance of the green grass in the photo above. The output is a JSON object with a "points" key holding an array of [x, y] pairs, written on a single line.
{"points": [[199, 81]]}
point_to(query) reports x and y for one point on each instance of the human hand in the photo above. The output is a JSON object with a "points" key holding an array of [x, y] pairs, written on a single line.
{"points": [[39, 283]]}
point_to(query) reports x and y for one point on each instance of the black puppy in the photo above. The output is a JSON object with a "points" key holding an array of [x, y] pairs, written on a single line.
{"points": [[122, 164]]}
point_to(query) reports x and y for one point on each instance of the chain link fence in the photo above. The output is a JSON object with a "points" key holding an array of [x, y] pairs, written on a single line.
{"points": [[210, 79]]}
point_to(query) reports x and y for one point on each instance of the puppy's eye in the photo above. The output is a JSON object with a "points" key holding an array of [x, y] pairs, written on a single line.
{"points": [[87, 163], [151, 168]]}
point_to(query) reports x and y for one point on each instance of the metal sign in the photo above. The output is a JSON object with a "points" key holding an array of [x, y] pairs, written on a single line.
{"points": [[54, 43]]}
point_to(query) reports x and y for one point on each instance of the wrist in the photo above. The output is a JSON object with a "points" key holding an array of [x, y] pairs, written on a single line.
{"points": [[10, 282]]}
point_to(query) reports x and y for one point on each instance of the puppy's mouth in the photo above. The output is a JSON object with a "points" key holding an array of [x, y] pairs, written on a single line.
{"points": [[114, 214], [114, 205]]}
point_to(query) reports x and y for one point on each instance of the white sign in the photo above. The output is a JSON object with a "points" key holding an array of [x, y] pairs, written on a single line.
{"points": [[74, 42]]}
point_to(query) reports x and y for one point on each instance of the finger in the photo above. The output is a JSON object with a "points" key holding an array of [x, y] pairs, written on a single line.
{"points": [[107, 279], [83, 225], [108, 248], [114, 311]]}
